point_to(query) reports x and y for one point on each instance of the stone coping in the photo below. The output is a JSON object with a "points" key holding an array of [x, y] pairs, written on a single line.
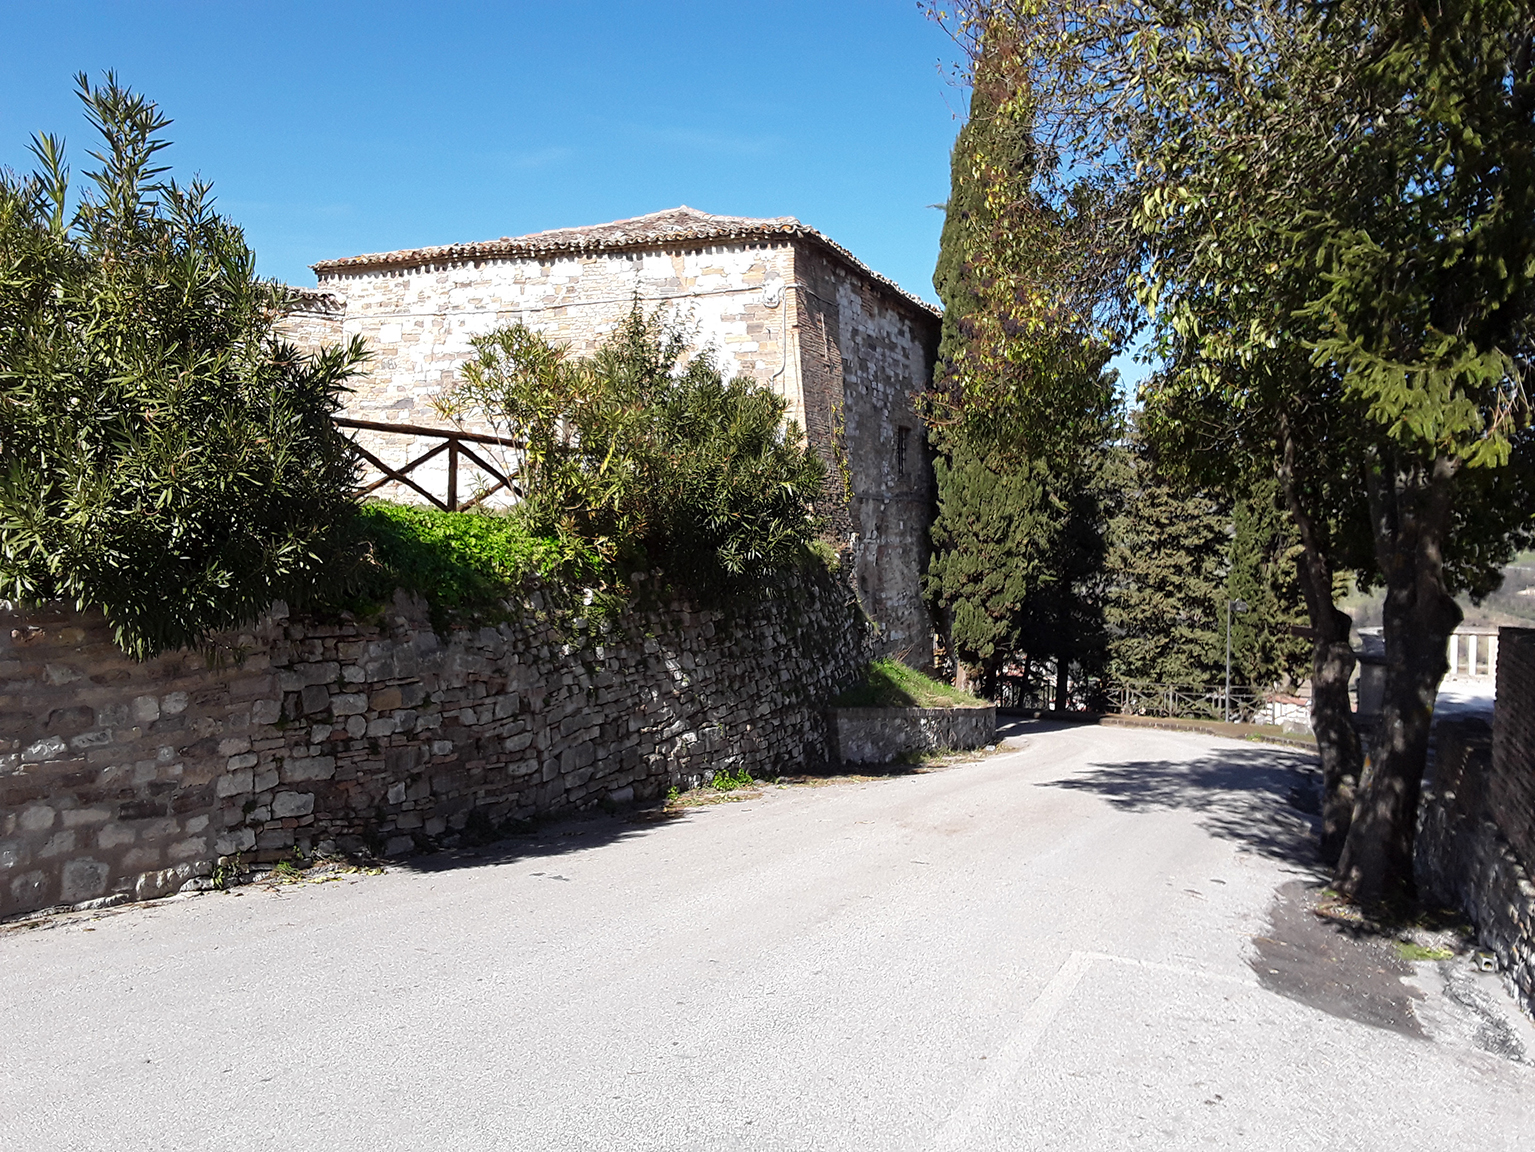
{"points": [[871, 712]]}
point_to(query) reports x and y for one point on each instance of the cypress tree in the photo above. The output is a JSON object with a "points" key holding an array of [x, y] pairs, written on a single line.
{"points": [[1265, 650], [1167, 571], [1017, 543], [993, 542]]}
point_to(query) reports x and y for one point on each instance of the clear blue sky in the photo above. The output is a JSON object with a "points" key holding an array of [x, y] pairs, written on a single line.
{"points": [[330, 129]]}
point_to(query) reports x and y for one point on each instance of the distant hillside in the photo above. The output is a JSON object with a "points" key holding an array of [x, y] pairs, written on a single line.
{"points": [[1512, 604]]}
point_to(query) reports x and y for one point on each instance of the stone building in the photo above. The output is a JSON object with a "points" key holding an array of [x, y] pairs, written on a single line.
{"points": [[775, 300]]}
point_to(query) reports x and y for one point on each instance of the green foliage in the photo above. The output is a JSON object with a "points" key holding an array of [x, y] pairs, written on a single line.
{"points": [[1017, 541], [228, 871], [458, 559], [1427, 304], [291, 868], [1033, 292], [647, 457], [993, 541], [1167, 571], [992, 146], [1264, 649], [163, 457], [1064, 619], [1334, 210], [891, 684], [727, 781], [1018, 558], [1415, 952]]}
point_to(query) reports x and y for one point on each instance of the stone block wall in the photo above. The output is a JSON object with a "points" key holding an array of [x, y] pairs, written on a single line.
{"points": [[314, 321], [1476, 833], [886, 735], [419, 320], [864, 355], [121, 780]]}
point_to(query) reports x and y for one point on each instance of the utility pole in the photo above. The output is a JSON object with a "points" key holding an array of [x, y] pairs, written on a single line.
{"points": [[1240, 606]]}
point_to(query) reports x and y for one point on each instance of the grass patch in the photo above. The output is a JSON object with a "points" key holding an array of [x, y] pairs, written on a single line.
{"points": [[1410, 951], [458, 559], [891, 684]]}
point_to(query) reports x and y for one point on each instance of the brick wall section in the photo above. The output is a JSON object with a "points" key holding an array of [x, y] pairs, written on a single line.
{"points": [[1476, 828], [120, 779], [1511, 789]]}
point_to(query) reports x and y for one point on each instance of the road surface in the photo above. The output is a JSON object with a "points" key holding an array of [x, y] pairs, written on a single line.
{"points": [[1096, 938]]}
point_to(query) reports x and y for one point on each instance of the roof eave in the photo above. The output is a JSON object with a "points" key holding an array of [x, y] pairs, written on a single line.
{"points": [[511, 250]]}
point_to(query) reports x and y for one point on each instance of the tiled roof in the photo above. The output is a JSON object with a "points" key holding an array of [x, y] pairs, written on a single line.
{"points": [[313, 299], [671, 228]]}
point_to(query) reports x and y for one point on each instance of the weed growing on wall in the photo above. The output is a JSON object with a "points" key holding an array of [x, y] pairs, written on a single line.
{"points": [[728, 781]]}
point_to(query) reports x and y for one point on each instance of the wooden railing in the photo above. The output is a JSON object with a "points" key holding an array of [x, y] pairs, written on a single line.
{"points": [[1207, 702], [454, 443]]}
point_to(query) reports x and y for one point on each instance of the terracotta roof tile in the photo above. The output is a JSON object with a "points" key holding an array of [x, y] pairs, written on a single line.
{"points": [[312, 299], [670, 228]]}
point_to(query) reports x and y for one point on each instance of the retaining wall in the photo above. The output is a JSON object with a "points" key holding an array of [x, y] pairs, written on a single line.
{"points": [[886, 735], [1476, 833], [124, 780]]}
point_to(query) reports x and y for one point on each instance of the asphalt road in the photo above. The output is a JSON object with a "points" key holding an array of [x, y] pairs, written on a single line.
{"points": [[1097, 940]]}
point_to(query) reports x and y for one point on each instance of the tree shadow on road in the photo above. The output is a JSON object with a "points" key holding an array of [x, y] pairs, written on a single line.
{"points": [[550, 837], [567, 832], [1262, 798]]}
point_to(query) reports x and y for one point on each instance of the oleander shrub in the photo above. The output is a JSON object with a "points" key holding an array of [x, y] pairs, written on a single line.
{"points": [[164, 456]]}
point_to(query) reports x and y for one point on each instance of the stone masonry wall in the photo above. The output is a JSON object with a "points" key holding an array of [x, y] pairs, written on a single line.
{"points": [[419, 322], [121, 780], [886, 735], [314, 322], [864, 355], [1475, 827]]}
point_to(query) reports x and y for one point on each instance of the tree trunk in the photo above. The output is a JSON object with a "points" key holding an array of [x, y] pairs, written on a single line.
{"points": [[1062, 688], [1332, 664], [1410, 517], [1332, 722], [964, 678], [991, 671]]}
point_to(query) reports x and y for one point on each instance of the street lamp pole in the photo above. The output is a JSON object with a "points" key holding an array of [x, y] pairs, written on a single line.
{"points": [[1240, 606]]}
